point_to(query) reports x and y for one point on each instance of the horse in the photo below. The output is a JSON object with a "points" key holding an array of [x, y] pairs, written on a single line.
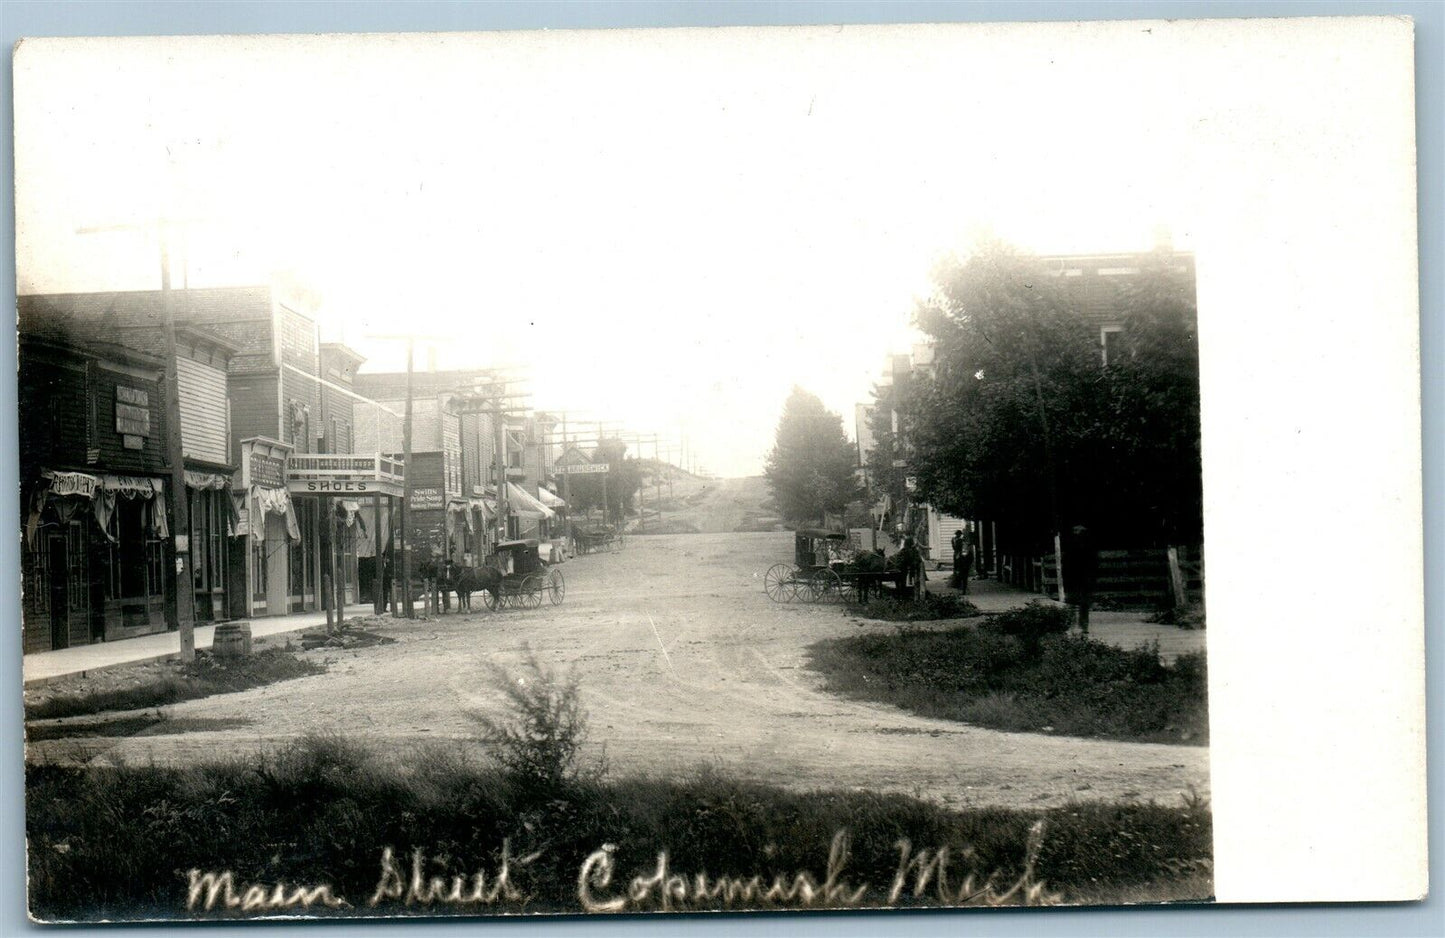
{"points": [[471, 579]]}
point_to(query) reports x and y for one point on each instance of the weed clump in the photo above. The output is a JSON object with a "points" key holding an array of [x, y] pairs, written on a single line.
{"points": [[539, 741]]}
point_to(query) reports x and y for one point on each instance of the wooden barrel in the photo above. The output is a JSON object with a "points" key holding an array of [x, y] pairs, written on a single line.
{"points": [[232, 640]]}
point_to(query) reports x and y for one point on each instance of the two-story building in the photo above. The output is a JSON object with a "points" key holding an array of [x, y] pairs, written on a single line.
{"points": [[97, 559]]}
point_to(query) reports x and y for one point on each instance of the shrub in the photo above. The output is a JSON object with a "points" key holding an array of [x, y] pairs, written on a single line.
{"points": [[1031, 622], [933, 606], [539, 742]]}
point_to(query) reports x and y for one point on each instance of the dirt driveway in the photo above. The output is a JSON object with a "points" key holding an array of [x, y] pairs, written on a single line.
{"points": [[683, 661]]}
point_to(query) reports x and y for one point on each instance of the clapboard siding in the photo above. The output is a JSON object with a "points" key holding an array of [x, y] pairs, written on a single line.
{"points": [[203, 410], [54, 412]]}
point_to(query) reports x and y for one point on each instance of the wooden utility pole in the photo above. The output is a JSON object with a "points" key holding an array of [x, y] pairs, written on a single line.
{"points": [[185, 604], [405, 545], [181, 613]]}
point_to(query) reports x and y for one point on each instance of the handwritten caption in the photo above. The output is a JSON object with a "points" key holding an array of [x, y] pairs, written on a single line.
{"points": [[926, 874]]}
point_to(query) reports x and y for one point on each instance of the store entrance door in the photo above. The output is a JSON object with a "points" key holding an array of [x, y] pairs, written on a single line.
{"points": [[55, 557]]}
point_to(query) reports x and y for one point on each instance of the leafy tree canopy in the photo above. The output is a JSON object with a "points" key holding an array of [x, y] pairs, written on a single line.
{"points": [[811, 466], [623, 477], [1021, 421]]}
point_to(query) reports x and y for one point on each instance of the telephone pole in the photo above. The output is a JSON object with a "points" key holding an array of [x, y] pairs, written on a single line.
{"points": [[180, 614]]}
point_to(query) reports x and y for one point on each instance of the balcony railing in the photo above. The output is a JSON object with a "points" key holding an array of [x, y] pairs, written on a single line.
{"points": [[344, 466]]}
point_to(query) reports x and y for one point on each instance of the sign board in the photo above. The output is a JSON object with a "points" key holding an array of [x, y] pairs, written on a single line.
{"points": [[267, 471], [336, 487], [362, 465], [132, 412], [425, 498], [344, 474], [183, 543], [131, 441], [581, 470]]}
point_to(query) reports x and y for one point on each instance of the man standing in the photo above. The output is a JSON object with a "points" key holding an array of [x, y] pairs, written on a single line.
{"points": [[910, 561], [1081, 566], [962, 561]]}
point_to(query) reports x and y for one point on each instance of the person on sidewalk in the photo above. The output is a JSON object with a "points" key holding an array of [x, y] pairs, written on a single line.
{"points": [[1081, 567], [962, 561], [910, 561], [386, 558]]}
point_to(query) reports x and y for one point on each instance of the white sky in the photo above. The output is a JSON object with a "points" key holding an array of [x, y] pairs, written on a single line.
{"points": [[672, 228]]}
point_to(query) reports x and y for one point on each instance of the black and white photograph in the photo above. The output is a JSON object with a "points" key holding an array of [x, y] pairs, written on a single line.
{"points": [[688, 470]]}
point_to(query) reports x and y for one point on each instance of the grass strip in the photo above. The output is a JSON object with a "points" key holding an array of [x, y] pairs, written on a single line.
{"points": [[1032, 682], [120, 842], [204, 677]]}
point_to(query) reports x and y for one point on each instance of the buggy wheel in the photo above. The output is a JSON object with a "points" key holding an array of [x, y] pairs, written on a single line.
{"points": [[531, 594], [828, 585], [780, 583], [556, 587], [493, 599]]}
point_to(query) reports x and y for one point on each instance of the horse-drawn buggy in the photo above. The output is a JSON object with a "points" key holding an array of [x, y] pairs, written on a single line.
{"points": [[826, 567], [596, 537], [517, 576]]}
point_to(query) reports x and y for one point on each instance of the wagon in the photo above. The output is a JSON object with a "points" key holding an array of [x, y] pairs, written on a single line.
{"points": [[597, 537], [526, 578], [814, 575]]}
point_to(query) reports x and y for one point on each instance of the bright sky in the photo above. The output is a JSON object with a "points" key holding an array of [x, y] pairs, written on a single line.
{"points": [[670, 228]]}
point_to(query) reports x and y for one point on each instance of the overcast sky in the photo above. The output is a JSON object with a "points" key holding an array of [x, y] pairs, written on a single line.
{"points": [[671, 228]]}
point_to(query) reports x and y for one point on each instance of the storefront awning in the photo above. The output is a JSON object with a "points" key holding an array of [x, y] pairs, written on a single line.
{"points": [[550, 500], [523, 505]]}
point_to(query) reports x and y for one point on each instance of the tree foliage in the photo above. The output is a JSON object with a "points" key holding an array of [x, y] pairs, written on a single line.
{"points": [[1021, 421], [810, 468], [624, 476]]}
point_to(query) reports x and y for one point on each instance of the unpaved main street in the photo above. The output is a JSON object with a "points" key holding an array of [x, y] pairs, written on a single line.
{"points": [[683, 661]]}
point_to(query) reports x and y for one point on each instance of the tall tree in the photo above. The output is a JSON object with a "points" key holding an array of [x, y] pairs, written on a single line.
{"points": [[623, 477], [1022, 421], [811, 466]]}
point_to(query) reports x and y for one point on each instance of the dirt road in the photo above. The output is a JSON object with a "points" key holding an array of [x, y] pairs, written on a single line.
{"points": [[683, 661]]}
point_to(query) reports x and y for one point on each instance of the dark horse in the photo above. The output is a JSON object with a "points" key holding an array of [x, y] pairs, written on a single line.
{"points": [[470, 579]]}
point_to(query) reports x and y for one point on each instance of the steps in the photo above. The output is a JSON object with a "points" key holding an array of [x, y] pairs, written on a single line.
{"points": [[1135, 578]]}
